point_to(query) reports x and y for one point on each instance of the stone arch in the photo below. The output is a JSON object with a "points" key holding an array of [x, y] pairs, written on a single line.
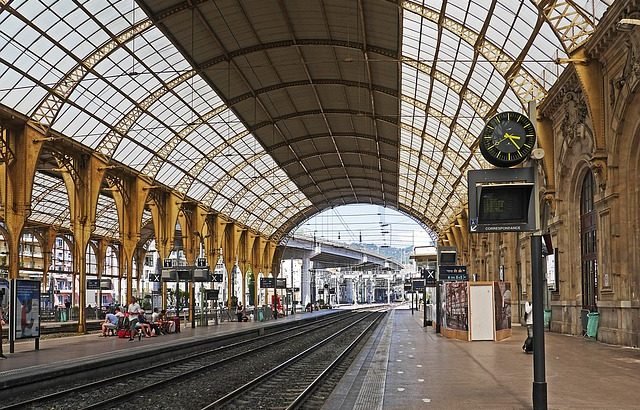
{"points": [[570, 257], [626, 153]]}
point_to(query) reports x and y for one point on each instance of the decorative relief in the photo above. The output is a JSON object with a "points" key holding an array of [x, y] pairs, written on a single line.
{"points": [[599, 169], [573, 123]]}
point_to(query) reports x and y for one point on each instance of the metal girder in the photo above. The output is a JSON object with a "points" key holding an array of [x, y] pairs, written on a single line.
{"points": [[523, 83], [6, 154], [479, 104], [46, 112], [568, 21], [152, 166], [110, 142]]}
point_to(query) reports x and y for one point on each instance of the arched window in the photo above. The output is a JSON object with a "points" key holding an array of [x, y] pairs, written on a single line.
{"points": [[588, 240]]}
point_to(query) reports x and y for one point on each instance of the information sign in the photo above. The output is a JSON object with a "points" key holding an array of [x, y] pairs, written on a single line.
{"points": [[281, 283], [93, 284], [453, 273], [407, 285], [267, 283], [418, 284], [212, 294]]}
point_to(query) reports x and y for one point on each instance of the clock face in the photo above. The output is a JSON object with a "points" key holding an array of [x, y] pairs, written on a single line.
{"points": [[507, 139]]}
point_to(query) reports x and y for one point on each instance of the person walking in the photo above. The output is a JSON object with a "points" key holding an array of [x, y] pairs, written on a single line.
{"points": [[2, 323], [527, 346]]}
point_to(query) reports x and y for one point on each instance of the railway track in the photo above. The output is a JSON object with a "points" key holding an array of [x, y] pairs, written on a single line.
{"points": [[290, 384], [148, 380]]}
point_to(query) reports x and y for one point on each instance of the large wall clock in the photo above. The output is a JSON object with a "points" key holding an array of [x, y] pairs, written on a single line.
{"points": [[507, 139]]}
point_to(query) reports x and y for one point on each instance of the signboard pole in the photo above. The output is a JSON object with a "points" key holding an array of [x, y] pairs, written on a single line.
{"points": [[12, 316], [424, 307], [539, 382], [412, 292], [438, 313]]}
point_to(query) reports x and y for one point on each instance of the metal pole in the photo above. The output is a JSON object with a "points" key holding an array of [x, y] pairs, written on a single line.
{"points": [[539, 383], [412, 293], [438, 313], [424, 306]]}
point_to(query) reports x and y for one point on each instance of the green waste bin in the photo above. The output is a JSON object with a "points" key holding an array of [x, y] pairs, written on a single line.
{"points": [[547, 318], [592, 324], [260, 315]]}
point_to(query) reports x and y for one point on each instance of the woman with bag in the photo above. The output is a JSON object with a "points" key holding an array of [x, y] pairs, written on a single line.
{"points": [[527, 347], [2, 323]]}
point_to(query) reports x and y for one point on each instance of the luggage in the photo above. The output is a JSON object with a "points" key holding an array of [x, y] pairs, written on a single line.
{"points": [[527, 346]]}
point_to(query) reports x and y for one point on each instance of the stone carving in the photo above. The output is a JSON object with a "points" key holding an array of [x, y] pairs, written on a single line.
{"points": [[599, 169], [573, 123]]}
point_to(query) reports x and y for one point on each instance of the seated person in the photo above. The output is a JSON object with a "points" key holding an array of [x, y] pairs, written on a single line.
{"points": [[156, 322], [111, 322], [168, 326], [241, 312], [143, 324]]}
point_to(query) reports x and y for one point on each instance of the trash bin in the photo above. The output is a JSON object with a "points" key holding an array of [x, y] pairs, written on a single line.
{"points": [[547, 318], [260, 315], [592, 324], [584, 318]]}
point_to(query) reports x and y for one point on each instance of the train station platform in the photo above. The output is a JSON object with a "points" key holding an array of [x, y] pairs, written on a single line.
{"points": [[58, 354], [406, 366], [412, 367]]}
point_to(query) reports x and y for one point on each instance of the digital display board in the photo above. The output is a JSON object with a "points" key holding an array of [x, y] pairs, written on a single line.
{"points": [[507, 203], [502, 200]]}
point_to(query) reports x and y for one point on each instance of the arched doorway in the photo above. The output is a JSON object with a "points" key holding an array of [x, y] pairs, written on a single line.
{"points": [[588, 244]]}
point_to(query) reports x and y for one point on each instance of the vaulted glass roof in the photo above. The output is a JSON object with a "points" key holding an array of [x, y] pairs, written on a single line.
{"points": [[272, 111]]}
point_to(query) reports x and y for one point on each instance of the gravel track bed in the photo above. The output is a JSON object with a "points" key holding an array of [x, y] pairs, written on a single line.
{"points": [[282, 388], [82, 399], [199, 390]]}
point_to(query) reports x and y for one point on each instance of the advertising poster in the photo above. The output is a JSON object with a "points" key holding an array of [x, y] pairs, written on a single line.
{"points": [[457, 306], [27, 318], [502, 295]]}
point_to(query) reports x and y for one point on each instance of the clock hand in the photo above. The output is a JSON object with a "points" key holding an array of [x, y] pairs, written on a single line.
{"points": [[497, 142], [512, 139], [510, 136]]}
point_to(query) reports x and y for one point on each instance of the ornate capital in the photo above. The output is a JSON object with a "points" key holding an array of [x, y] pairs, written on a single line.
{"points": [[599, 169]]}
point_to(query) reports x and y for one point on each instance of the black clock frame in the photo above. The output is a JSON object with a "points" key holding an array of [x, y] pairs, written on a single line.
{"points": [[527, 135]]}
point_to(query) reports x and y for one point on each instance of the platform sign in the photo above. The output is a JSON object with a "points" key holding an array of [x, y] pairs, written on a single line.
{"points": [[332, 291], [212, 294], [418, 285], [216, 277], [154, 277], [93, 284], [407, 285], [267, 283], [105, 284], [184, 274], [281, 283], [201, 262], [167, 263], [453, 273], [430, 277], [26, 294]]}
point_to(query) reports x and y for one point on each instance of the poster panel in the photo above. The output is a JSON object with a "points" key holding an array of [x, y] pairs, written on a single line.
{"points": [[502, 296], [27, 318], [457, 306]]}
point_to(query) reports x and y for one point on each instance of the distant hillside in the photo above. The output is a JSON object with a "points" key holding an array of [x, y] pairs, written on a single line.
{"points": [[400, 255]]}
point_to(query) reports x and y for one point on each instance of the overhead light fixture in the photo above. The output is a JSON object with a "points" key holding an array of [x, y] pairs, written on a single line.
{"points": [[570, 60], [627, 24]]}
